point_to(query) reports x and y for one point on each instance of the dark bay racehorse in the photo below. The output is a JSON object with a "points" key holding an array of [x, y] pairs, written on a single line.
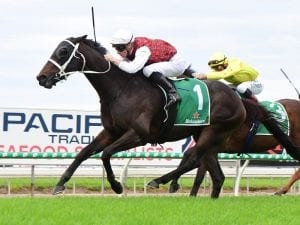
{"points": [[132, 110], [235, 144]]}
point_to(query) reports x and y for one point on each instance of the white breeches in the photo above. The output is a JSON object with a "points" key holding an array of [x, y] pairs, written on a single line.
{"points": [[256, 87], [175, 67]]}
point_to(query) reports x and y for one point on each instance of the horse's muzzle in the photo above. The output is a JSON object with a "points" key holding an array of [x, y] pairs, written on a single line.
{"points": [[46, 81]]}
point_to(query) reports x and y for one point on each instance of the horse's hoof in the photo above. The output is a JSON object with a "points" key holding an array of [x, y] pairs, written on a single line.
{"points": [[58, 190], [117, 187], [193, 195], [174, 188], [153, 184], [280, 192], [214, 196]]}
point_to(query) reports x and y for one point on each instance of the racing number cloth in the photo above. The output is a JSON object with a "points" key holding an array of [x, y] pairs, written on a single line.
{"points": [[194, 107]]}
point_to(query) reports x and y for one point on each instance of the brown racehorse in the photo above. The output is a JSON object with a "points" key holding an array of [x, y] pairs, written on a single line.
{"points": [[132, 110], [293, 109], [286, 188], [235, 145]]}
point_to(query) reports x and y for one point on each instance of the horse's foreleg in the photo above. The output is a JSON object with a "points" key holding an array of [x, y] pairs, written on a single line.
{"points": [[80, 157], [129, 140], [96, 146], [286, 188]]}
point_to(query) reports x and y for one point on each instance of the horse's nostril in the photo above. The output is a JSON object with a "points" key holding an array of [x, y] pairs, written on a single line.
{"points": [[41, 78]]}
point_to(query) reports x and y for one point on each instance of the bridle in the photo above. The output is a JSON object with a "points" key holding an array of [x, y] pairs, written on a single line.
{"points": [[62, 74]]}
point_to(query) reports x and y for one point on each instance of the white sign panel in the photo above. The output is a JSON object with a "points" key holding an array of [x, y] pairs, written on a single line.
{"points": [[47, 130]]}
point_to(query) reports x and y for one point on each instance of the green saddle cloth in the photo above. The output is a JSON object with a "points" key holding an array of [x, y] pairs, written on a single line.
{"points": [[194, 107], [279, 113]]}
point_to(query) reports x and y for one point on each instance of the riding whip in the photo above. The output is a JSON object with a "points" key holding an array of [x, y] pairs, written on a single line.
{"points": [[290, 82], [94, 24]]}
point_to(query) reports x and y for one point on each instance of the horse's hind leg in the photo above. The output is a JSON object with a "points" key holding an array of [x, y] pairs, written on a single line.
{"points": [[286, 188], [198, 179], [211, 139], [174, 186], [189, 164], [211, 164], [96, 146], [216, 174]]}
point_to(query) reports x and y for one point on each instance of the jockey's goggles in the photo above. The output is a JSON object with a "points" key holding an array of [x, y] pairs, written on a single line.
{"points": [[119, 47], [213, 63]]}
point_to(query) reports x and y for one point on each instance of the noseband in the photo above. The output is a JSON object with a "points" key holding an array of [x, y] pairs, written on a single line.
{"points": [[62, 74]]}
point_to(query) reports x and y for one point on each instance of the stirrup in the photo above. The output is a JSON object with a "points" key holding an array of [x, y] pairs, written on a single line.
{"points": [[173, 98], [170, 102]]}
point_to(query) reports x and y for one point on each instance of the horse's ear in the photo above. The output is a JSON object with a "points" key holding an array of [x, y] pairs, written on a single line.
{"points": [[83, 37], [80, 38]]}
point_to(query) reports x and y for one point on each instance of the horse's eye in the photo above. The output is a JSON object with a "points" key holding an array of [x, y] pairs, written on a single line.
{"points": [[62, 52]]}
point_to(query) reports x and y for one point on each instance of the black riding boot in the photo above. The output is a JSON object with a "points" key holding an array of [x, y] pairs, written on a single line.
{"points": [[162, 81], [248, 94]]}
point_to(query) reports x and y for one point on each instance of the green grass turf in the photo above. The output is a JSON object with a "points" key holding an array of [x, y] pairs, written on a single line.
{"points": [[261, 210]]}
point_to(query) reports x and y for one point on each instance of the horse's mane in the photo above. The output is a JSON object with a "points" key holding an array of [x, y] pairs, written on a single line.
{"points": [[102, 50], [95, 45]]}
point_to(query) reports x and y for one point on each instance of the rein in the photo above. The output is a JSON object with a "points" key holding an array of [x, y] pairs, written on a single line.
{"points": [[61, 74]]}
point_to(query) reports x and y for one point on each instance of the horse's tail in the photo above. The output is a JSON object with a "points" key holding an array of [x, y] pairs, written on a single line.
{"points": [[265, 117], [272, 125]]}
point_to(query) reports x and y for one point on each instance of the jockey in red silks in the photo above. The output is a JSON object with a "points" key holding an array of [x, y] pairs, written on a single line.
{"points": [[157, 58]]}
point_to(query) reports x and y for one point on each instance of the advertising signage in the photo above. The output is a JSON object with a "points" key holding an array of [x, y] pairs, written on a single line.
{"points": [[51, 130]]}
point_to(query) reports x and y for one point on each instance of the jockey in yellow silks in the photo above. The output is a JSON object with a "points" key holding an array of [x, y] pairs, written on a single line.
{"points": [[236, 72]]}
